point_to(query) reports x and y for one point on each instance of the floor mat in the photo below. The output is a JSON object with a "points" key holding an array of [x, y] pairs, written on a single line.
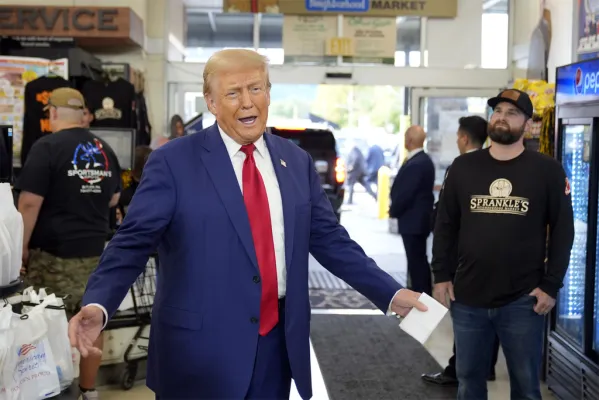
{"points": [[331, 299], [370, 358]]}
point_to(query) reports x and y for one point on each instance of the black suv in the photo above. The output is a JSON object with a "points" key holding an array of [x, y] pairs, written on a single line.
{"points": [[320, 144]]}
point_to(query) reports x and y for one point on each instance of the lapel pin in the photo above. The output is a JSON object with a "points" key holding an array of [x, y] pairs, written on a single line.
{"points": [[283, 163]]}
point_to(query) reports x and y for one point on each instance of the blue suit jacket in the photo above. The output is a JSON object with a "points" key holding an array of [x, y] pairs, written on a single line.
{"points": [[412, 196], [189, 206]]}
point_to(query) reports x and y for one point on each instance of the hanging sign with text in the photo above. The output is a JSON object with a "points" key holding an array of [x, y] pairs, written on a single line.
{"points": [[340, 46], [372, 8], [251, 6], [115, 24], [374, 39], [305, 37]]}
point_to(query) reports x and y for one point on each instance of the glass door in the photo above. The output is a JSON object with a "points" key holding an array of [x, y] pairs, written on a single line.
{"points": [[187, 100], [576, 160], [438, 112]]}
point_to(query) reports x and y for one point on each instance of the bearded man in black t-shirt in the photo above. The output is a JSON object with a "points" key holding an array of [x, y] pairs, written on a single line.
{"points": [[68, 183]]}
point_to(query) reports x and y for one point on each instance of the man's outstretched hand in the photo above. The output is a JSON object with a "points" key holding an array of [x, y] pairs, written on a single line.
{"points": [[404, 301], [84, 329]]}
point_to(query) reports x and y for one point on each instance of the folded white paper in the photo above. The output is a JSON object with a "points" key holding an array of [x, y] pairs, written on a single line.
{"points": [[420, 324]]}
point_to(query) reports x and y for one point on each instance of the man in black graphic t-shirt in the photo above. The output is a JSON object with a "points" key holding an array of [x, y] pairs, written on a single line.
{"points": [[67, 185], [471, 136], [35, 119], [497, 205], [112, 103]]}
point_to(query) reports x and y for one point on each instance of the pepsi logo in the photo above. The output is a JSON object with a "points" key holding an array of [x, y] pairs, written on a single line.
{"points": [[578, 81]]}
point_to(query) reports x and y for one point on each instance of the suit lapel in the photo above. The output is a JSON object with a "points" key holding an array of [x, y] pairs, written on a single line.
{"points": [[283, 172], [219, 167]]}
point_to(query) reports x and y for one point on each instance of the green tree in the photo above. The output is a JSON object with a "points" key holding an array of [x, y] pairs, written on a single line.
{"points": [[290, 108], [345, 104]]}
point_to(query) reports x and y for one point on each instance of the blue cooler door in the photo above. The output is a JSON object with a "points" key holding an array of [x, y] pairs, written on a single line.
{"points": [[576, 160]]}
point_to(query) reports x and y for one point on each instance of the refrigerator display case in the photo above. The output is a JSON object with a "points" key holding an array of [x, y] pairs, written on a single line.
{"points": [[572, 363]]}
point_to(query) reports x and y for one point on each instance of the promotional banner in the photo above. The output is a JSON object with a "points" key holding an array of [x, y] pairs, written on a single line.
{"points": [[577, 83], [372, 8], [374, 39], [15, 73], [588, 29], [305, 37]]}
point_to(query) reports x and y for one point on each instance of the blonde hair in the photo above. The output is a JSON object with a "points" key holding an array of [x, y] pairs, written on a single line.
{"points": [[231, 60]]}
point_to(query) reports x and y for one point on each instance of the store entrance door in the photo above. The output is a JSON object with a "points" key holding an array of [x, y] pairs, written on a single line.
{"points": [[438, 112], [187, 100]]}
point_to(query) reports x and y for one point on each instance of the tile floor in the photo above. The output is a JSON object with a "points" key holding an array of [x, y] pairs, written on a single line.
{"points": [[360, 220]]}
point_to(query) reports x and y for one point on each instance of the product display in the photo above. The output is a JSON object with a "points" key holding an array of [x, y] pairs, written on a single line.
{"points": [[112, 102], [542, 94], [576, 142], [35, 120], [547, 134]]}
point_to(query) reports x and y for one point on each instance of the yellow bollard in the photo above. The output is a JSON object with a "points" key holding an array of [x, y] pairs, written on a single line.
{"points": [[384, 191]]}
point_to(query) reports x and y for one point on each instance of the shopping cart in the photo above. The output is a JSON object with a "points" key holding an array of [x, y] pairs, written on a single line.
{"points": [[139, 315]]}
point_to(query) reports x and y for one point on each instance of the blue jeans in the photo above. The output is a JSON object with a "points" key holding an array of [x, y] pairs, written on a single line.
{"points": [[520, 331]]}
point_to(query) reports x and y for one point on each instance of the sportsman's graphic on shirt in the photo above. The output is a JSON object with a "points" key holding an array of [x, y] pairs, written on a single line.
{"points": [[108, 111], [91, 165], [88, 153]]}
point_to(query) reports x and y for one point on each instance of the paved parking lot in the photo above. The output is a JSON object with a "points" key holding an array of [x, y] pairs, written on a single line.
{"points": [[360, 220]]}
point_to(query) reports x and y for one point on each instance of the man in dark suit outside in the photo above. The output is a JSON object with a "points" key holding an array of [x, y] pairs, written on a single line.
{"points": [[412, 204], [471, 136]]}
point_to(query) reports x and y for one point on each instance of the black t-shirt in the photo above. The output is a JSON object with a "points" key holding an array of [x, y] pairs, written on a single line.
{"points": [[35, 120], [111, 103], [77, 174], [144, 129], [498, 212]]}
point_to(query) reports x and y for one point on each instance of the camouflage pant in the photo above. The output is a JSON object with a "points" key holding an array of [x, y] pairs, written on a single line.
{"points": [[62, 276]]}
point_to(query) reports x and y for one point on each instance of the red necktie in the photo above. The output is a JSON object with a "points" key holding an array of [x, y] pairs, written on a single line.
{"points": [[256, 204]]}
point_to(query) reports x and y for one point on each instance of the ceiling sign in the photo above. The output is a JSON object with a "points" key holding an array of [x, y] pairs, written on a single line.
{"points": [[372, 8]]}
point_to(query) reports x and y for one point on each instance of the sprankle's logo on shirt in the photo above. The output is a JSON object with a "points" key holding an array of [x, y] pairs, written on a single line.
{"points": [[568, 190], [108, 111], [499, 201]]}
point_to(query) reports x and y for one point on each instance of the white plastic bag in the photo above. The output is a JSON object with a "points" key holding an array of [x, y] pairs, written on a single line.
{"points": [[11, 237], [58, 334], [9, 387], [36, 371]]}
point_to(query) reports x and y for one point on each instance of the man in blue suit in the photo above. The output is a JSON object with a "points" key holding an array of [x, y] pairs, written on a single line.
{"points": [[412, 202], [234, 214]]}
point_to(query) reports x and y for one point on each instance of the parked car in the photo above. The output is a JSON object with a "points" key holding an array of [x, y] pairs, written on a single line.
{"points": [[320, 144]]}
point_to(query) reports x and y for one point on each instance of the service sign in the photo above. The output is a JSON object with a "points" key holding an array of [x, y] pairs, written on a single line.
{"points": [[577, 83], [372, 8]]}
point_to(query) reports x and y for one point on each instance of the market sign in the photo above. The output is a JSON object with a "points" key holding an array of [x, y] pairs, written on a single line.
{"points": [[106, 26], [372, 8]]}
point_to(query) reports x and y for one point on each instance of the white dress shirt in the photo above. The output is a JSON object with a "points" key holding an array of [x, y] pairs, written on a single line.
{"points": [[412, 153], [273, 192]]}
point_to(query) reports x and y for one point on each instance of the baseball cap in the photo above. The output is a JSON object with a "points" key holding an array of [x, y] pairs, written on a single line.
{"points": [[516, 97], [66, 98]]}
